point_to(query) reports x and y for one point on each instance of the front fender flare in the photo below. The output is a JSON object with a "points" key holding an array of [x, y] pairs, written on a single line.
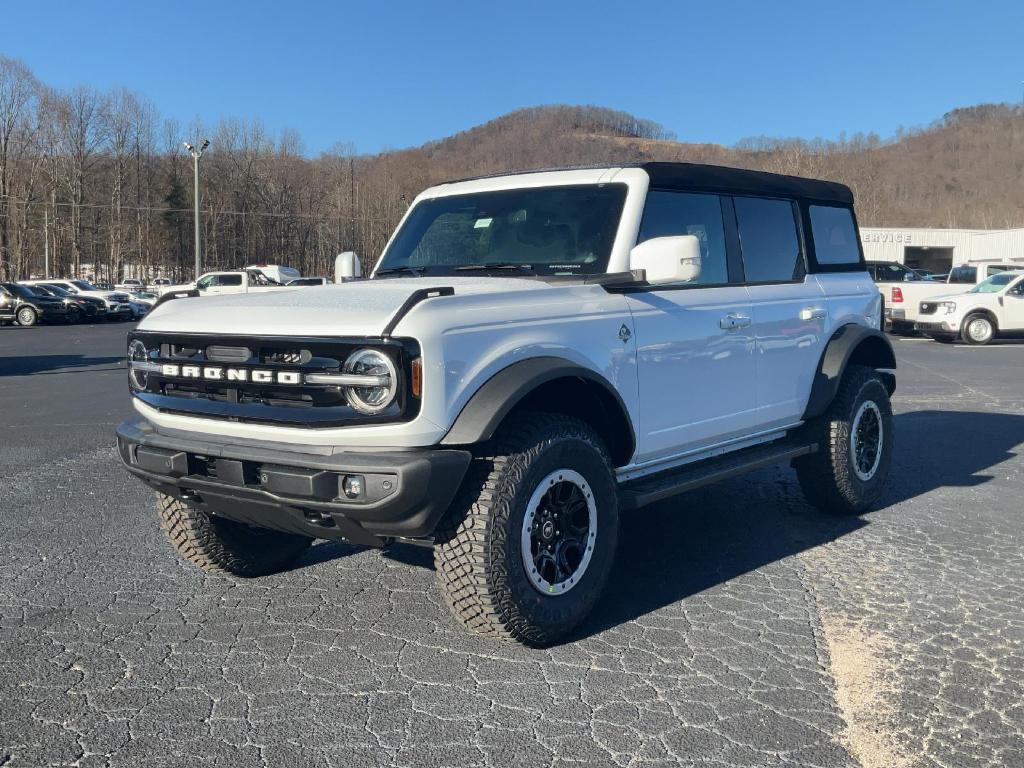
{"points": [[496, 398]]}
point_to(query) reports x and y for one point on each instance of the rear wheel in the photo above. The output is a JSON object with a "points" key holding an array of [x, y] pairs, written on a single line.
{"points": [[223, 546], [847, 474], [978, 329], [526, 548], [27, 316]]}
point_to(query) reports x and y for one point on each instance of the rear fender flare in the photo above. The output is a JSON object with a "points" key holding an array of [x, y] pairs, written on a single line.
{"points": [[855, 344]]}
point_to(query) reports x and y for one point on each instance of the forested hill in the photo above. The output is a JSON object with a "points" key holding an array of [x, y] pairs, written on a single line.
{"points": [[966, 169], [100, 178]]}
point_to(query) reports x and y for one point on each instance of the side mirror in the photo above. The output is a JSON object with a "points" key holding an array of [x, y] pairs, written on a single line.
{"points": [[347, 267], [668, 259]]}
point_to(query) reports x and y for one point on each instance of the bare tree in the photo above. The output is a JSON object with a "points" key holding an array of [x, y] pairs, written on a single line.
{"points": [[18, 91]]}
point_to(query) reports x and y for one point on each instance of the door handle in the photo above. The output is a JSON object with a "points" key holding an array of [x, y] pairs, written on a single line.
{"points": [[733, 321], [813, 313]]}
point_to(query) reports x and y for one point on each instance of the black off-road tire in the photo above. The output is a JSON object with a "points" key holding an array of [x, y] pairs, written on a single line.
{"points": [[829, 477], [27, 316], [479, 563], [223, 546], [966, 335]]}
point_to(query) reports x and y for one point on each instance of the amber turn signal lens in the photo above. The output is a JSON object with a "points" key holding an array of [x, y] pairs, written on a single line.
{"points": [[417, 377]]}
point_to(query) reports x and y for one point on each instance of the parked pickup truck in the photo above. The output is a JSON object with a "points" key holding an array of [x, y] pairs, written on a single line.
{"points": [[904, 289], [994, 307], [238, 281]]}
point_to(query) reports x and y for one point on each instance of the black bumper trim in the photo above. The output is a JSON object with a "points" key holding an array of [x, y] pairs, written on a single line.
{"points": [[403, 493]]}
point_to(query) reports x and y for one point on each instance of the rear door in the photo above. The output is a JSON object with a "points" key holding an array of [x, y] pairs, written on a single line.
{"points": [[790, 311], [695, 349], [7, 303]]}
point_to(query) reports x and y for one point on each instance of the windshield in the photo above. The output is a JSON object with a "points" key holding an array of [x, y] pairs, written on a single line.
{"points": [[83, 285], [544, 230], [994, 284]]}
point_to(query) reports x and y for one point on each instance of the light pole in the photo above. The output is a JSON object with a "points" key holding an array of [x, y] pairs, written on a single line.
{"points": [[196, 154]]}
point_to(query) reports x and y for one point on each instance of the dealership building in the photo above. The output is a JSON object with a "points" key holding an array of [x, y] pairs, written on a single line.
{"points": [[939, 250]]}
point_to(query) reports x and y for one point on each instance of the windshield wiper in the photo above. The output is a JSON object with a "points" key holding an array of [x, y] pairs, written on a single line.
{"points": [[498, 265], [399, 271]]}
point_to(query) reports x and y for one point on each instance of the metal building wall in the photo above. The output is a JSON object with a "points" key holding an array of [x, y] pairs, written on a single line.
{"points": [[888, 243]]}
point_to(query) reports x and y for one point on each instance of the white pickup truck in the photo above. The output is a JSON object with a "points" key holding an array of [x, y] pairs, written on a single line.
{"points": [[263, 277], [992, 308], [904, 289]]}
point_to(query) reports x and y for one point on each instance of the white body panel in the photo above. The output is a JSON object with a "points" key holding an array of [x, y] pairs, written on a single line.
{"points": [[791, 325], [695, 377]]}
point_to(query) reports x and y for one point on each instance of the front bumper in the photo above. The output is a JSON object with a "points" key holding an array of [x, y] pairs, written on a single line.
{"points": [[944, 328], [403, 493]]}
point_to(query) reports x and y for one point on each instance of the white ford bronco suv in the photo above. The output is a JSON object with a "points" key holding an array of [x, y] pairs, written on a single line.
{"points": [[533, 356]]}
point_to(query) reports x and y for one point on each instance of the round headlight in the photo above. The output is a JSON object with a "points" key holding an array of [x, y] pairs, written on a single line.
{"points": [[372, 399], [137, 353]]}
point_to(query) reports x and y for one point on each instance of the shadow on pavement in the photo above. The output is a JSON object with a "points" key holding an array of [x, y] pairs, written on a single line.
{"points": [[32, 364], [698, 540]]}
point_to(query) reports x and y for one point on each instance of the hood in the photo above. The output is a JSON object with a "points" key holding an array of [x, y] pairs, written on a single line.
{"points": [[361, 308], [964, 295]]}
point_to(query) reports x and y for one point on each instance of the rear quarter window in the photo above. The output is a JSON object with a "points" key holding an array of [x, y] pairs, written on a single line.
{"points": [[835, 236]]}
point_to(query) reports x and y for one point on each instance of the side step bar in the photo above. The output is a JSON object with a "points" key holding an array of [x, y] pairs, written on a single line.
{"points": [[648, 490]]}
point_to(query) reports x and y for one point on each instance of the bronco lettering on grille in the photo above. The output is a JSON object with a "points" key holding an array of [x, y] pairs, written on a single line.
{"points": [[220, 373]]}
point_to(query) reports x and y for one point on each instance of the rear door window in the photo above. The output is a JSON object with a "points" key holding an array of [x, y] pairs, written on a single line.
{"points": [[768, 240]]}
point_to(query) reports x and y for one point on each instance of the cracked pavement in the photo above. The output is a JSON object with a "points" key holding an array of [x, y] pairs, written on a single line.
{"points": [[741, 627]]}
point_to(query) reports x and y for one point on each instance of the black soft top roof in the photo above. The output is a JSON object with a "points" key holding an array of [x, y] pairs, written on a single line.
{"points": [[718, 178]]}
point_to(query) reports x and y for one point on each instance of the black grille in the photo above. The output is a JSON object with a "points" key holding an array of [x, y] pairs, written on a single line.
{"points": [[306, 405]]}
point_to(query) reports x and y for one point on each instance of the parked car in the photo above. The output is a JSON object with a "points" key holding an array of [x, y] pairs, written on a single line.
{"points": [[131, 284], [992, 308], [142, 302], [80, 308], [116, 302], [904, 289], [162, 282], [253, 278], [572, 345], [19, 303], [304, 281]]}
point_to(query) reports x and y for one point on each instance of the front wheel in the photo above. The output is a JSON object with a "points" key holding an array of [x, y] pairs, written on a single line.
{"points": [[221, 546], [27, 316], [847, 474], [978, 329], [527, 546]]}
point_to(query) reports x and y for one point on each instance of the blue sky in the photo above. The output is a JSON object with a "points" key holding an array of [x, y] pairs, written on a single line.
{"points": [[394, 74]]}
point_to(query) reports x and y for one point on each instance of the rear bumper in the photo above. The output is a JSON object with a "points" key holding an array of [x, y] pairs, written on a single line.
{"points": [[403, 493]]}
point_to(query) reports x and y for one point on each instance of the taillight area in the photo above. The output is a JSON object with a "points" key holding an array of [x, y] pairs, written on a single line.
{"points": [[897, 295]]}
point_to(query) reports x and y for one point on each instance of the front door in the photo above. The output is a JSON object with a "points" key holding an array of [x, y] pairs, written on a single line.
{"points": [[694, 341], [1013, 308]]}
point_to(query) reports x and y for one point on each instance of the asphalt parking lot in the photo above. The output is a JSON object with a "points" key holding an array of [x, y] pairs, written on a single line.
{"points": [[740, 629]]}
